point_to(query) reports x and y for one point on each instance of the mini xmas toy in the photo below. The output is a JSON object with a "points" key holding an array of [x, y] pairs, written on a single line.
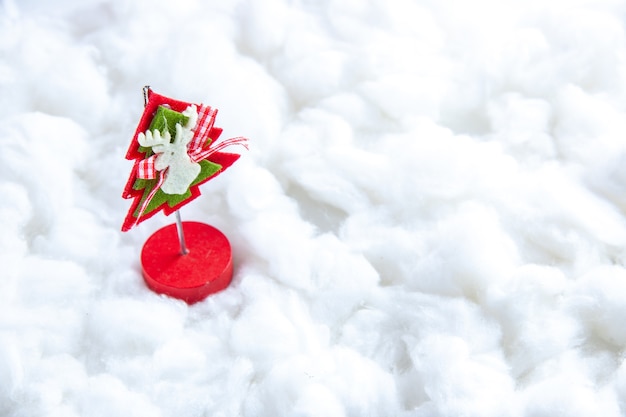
{"points": [[176, 149]]}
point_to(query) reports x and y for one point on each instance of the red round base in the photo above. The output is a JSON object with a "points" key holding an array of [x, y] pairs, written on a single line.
{"points": [[206, 269]]}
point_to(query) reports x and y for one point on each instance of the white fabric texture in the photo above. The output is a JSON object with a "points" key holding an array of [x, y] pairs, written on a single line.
{"points": [[429, 222]]}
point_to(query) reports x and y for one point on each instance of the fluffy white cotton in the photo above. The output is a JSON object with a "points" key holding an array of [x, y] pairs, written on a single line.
{"points": [[122, 325], [338, 382], [17, 212], [602, 302], [429, 221], [105, 394], [11, 371]]}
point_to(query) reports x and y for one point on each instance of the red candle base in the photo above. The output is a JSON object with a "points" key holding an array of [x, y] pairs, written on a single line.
{"points": [[206, 269]]}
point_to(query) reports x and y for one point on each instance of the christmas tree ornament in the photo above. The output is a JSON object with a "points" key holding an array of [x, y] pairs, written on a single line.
{"points": [[175, 149]]}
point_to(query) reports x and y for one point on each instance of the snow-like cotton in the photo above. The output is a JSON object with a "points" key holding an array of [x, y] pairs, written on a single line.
{"points": [[429, 221]]}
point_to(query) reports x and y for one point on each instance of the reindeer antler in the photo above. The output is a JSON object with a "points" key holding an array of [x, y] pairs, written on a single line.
{"points": [[192, 113], [154, 140], [183, 136]]}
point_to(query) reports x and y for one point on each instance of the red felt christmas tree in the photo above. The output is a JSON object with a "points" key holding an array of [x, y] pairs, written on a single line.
{"points": [[175, 148]]}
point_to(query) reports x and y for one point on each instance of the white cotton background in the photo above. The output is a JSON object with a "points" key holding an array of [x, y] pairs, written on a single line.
{"points": [[430, 220]]}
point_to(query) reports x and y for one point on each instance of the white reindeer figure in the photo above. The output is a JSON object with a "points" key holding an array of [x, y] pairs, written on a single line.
{"points": [[181, 170]]}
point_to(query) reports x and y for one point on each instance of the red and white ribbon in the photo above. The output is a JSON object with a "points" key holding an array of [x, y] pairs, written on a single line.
{"points": [[145, 168]]}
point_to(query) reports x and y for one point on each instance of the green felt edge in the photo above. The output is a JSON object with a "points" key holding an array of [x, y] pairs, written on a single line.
{"points": [[207, 169], [164, 118]]}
